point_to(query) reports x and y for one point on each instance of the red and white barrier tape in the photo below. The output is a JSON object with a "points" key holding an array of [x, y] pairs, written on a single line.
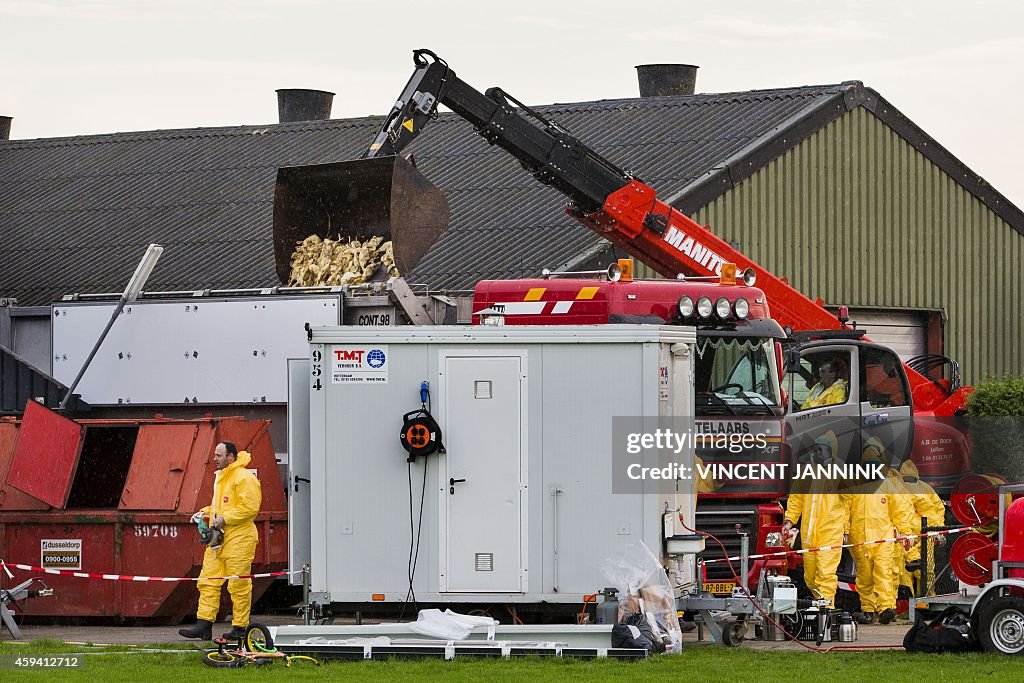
{"points": [[128, 577], [782, 553]]}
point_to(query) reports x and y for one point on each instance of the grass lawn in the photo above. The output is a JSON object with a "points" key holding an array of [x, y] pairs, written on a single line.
{"points": [[123, 663]]}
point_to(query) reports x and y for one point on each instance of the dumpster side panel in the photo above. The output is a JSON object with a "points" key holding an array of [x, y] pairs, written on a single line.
{"points": [[158, 467], [10, 497], [72, 596], [155, 549], [272, 551]]}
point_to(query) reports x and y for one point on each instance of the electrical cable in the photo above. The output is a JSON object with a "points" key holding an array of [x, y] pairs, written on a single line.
{"points": [[408, 565], [415, 528], [415, 534]]}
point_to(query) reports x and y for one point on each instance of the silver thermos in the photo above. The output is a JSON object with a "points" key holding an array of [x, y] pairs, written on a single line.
{"points": [[847, 628]]}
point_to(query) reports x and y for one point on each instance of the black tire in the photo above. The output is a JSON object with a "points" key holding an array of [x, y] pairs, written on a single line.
{"points": [[258, 639], [733, 633], [1001, 625], [221, 660]]}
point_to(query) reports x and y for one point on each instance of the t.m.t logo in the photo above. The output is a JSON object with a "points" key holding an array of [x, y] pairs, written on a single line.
{"points": [[356, 355]]}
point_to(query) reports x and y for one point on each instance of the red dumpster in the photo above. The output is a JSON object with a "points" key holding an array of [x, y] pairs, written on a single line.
{"points": [[109, 496]]}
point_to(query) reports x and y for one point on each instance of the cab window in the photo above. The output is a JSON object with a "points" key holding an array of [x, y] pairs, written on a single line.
{"points": [[822, 380], [881, 382]]}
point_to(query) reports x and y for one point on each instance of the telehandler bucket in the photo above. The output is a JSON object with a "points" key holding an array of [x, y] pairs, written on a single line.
{"points": [[358, 199]]}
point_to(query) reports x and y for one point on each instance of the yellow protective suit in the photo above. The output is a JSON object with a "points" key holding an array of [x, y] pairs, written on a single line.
{"points": [[824, 515], [705, 482], [929, 510], [874, 516], [832, 395], [899, 554], [236, 498]]}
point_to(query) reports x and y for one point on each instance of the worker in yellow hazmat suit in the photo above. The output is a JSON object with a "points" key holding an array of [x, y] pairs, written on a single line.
{"points": [[830, 389], [899, 554], [874, 516], [824, 515], [929, 510], [705, 482], [236, 502]]}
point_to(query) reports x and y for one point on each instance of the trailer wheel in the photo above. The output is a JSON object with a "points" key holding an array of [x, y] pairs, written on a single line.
{"points": [[1001, 625], [733, 633]]}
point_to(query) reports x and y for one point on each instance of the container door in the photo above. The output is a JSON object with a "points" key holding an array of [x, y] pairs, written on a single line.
{"points": [[482, 474], [299, 499], [46, 457]]}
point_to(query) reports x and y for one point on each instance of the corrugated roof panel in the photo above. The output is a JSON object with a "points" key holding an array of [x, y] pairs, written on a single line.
{"points": [[76, 213]]}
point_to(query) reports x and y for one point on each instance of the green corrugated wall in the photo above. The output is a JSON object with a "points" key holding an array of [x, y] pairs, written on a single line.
{"points": [[857, 216]]}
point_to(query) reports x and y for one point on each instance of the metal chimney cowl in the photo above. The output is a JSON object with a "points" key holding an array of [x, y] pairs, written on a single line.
{"points": [[661, 80], [298, 104]]}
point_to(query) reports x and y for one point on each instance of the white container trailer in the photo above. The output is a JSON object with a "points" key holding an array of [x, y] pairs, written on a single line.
{"points": [[528, 497]]}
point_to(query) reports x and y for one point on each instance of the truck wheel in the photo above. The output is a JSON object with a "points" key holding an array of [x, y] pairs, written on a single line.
{"points": [[1001, 625], [733, 633]]}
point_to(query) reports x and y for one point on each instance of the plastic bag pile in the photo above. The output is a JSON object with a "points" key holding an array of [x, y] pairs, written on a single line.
{"points": [[647, 608]]}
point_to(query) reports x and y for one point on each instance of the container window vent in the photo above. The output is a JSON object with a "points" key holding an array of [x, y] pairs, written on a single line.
{"points": [[485, 562], [482, 388]]}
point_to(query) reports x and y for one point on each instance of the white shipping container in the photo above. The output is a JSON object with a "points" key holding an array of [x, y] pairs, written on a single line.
{"points": [[520, 508]]}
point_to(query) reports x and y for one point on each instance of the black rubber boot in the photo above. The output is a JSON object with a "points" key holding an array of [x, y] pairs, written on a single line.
{"points": [[886, 616], [236, 633], [865, 617], [203, 630]]}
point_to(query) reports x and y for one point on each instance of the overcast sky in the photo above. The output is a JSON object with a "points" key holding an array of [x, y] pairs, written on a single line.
{"points": [[75, 68]]}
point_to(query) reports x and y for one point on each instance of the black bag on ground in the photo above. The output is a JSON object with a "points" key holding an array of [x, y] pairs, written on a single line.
{"points": [[950, 631], [636, 632]]}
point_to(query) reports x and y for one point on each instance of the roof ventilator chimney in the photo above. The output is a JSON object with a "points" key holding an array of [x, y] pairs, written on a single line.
{"points": [[661, 80], [297, 104], [5, 127]]}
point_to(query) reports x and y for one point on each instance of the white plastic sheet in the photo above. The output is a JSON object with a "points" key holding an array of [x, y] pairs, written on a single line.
{"points": [[449, 625]]}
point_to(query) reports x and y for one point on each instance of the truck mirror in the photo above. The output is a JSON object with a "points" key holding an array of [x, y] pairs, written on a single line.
{"points": [[792, 362]]}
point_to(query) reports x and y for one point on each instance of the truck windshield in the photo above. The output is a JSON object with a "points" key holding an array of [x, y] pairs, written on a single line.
{"points": [[736, 376]]}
